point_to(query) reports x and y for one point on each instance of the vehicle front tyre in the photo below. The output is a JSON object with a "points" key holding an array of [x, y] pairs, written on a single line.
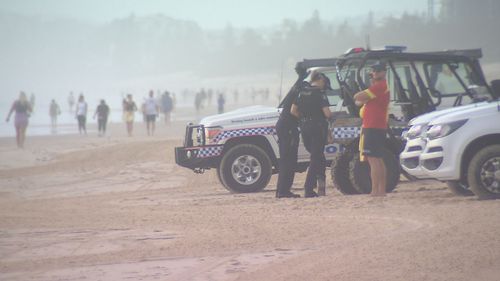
{"points": [[459, 188], [483, 173], [245, 168]]}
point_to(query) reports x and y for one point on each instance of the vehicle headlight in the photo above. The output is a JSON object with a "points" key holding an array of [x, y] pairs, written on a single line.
{"points": [[211, 133], [442, 130], [415, 131]]}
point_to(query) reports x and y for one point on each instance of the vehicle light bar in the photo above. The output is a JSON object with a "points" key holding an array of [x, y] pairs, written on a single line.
{"points": [[354, 50]]}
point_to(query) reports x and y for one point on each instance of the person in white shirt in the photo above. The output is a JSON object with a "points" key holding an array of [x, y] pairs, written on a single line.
{"points": [[151, 111], [81, 114]]}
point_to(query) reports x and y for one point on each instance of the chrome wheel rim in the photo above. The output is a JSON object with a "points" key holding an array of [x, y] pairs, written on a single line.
{"points": [[489, 175], [246, 169]]}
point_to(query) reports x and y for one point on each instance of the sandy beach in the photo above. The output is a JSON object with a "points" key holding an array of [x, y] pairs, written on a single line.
{"points": [[118, 208]]}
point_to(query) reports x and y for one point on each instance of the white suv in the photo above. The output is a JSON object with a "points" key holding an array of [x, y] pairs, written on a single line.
{"points": [[460, 146]]}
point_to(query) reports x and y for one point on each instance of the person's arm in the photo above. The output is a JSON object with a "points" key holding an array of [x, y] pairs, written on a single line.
{"points": [[10, 111], [294, 110], [326, 111], [361, 98]]}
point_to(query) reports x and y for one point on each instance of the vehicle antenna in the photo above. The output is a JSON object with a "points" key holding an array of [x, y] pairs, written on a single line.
{"points": [[367, 42]]}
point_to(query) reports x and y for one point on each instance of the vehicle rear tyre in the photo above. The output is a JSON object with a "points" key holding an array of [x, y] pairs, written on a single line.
{"points": [[359, 172], [483, 173], [340, 173], [245, 168], [459, 188]]}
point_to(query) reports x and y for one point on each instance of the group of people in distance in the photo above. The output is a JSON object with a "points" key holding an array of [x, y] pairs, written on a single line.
{"points": [[307, 107], [22, 108]]}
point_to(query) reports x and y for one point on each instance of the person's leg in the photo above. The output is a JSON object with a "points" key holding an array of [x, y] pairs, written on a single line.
{"points": [[383, 178], [104, 125], [80, 126], [307, 138], [153, 125], [129, 128], [22, 134], [148, 124], [377, 175], [100, 126], [18, 136], [288, 145], [318, 161], [84, 124]]}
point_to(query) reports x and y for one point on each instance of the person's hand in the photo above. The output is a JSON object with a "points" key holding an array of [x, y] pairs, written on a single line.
{"points": [[330, 138]]}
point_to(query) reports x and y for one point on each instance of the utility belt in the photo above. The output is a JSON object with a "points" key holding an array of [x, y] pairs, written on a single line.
{"points": [[316, 120]]}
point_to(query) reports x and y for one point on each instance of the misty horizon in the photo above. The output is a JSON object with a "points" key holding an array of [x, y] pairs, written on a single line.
{"points": [[53, 54]]}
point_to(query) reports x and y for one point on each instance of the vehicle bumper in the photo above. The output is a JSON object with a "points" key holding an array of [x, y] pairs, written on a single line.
{"points": [[410, 158], [441, 160], [197, 158]]}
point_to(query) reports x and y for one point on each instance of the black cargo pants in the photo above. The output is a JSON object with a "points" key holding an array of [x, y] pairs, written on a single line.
{"points": [[314, 136], [288, 142]]}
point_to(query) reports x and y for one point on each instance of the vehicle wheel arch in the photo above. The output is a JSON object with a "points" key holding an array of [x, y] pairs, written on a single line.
{"points": [[260, 141], [472, 148]]}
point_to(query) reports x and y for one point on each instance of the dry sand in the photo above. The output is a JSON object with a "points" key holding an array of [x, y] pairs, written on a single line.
{"points": [[118, 208]]}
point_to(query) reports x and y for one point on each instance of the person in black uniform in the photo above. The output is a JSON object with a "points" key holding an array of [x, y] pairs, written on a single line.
{"points": [[312, 108], [288, 142]]}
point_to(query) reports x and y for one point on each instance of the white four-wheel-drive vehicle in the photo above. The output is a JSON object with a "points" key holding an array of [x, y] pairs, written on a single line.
{"points": [[460, 146], [242, 144]]}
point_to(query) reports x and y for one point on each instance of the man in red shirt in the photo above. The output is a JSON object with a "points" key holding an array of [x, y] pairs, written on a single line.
{"points": [[375, 101]]}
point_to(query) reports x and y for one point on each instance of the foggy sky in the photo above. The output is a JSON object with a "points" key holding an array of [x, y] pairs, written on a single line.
{"points": [[211, 14]]}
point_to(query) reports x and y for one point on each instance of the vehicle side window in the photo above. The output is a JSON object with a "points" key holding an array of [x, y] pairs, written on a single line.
{"points": [[334, 94], [442, 78]]}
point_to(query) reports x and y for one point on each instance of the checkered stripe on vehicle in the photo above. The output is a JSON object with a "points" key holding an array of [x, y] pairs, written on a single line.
{"points": [[346, 132], [209, 151], [245, 133]]}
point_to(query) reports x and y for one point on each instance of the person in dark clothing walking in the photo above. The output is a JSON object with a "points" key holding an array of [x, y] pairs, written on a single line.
{"points": [[288, 143], [102, 113], [312, 108]]}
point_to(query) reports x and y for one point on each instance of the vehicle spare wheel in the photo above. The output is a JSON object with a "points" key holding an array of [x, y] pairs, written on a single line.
{"points": [[340, 173], [359, 172]]}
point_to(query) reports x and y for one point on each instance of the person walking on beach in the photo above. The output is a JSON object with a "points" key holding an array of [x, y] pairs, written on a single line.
{"points": [[220, 103], [81, 115], [102, 113], [167, 105], [151, 111], [54, 111], [312, 108], [375, 102], [32, 102], [71, 101], [129, 109], [22, 109]]}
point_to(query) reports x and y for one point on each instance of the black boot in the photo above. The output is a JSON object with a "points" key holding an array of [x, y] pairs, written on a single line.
{"points": [[309, 192], [286, 194]]}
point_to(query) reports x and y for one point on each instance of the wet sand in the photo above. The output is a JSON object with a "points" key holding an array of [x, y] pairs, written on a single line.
{"points": [[118, 208]]}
